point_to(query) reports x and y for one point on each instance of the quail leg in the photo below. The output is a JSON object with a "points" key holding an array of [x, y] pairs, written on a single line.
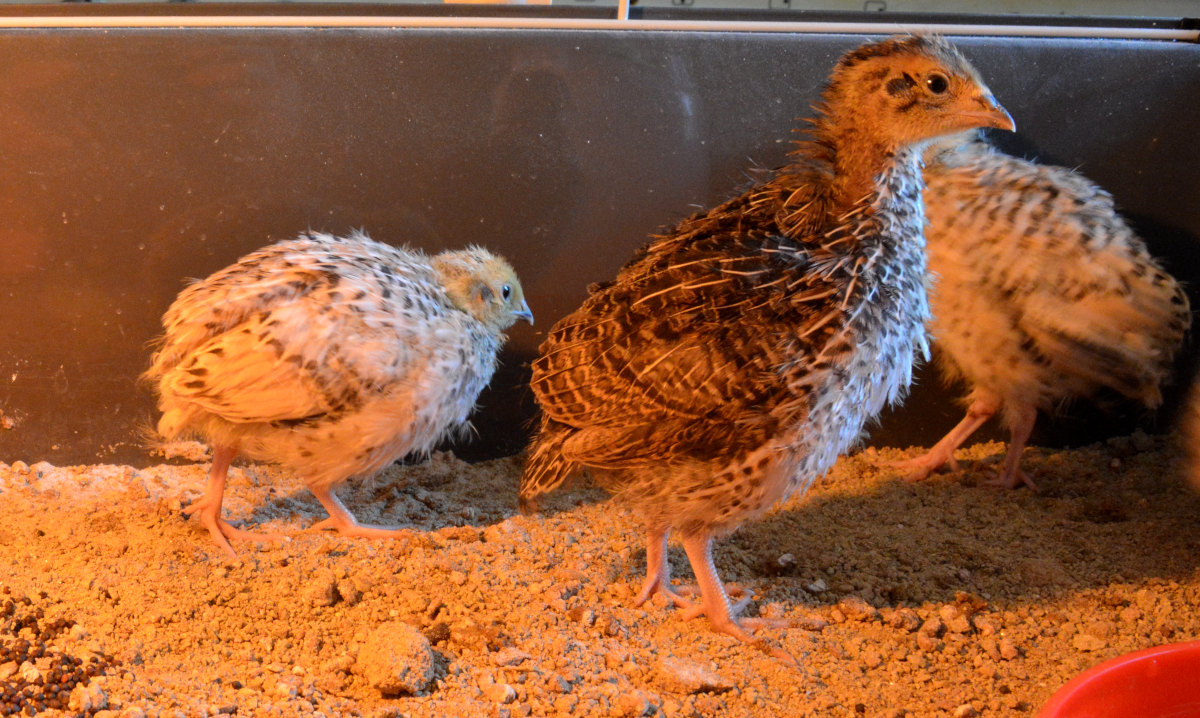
{"points": [[983, 408], [658, 571], [208, 507], [658, 580], [715, 603], [344, 522], [1011, 474]]}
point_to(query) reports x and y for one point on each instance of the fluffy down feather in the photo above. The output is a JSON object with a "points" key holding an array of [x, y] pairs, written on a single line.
{"points": [[736, 355], [1043, 294], [331, 356]]}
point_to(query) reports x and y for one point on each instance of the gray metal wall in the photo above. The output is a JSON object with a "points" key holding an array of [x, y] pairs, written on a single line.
{"points": [[133, 159]]}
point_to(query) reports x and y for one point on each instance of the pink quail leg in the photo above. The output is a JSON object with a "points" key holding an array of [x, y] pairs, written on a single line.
{"points": [[344, 522], [658, 580], [208, 507], [942, 453], [658, 571], [715, 603], [1011, 475]]}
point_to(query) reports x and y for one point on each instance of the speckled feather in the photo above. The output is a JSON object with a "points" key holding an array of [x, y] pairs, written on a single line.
{"points": [[1044, 293], [332, 356], [739, 353]]}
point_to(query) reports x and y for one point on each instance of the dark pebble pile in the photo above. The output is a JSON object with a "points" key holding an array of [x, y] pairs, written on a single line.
{"points": [[26, 635]]}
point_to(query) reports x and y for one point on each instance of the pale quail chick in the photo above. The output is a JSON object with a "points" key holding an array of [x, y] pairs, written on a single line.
{"points": [[332, 357], [734, 357], [1042, 294]]}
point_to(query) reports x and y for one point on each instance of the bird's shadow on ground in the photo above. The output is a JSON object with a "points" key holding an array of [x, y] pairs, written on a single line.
{"points": [[1102, 516], [1092, 524], [422, 494]]}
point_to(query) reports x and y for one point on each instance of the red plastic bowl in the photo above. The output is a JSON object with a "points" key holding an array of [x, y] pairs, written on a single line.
{"points": [[1159, 682]]}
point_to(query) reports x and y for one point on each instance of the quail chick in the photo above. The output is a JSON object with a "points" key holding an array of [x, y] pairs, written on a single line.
{"points": [[1043, 294], [735, 356], [332, 357]]}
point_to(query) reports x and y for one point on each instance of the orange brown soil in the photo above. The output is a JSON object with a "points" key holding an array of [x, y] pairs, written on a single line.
{"points": [[939, 598]]}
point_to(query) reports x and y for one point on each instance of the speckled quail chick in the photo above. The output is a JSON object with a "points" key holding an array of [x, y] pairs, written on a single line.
{"points": [[736, 355], [332, 357], [1042, 294]]}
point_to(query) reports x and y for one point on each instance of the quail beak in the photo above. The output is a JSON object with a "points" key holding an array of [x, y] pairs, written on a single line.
{"points": [[524, 313], [991, 114]]}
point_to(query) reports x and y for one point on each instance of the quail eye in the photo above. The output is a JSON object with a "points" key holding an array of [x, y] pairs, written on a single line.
{"points": [[937, 83], [506, 292]]}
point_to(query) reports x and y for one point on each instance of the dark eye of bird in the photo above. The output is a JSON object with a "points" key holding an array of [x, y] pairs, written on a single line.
{"points": [[505, 291], [937, 83]]}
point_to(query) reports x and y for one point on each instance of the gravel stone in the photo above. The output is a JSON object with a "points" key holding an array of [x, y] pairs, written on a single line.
{"points": [[871, 658], [396, 659], [954, 620], [986, 625], [322, 591], [680, 675], [928, 642], [905, 619], [90, 697], [348, 592], [510, 657], [933, 626], [856, 609], [1087, 642], [498, 692]]}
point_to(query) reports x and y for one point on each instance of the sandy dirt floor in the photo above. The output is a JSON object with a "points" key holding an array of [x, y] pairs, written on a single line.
{"points": [[940, 598]]}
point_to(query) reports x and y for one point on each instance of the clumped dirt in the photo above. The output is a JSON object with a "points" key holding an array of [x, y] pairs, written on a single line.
{"points": [[937, 598]]}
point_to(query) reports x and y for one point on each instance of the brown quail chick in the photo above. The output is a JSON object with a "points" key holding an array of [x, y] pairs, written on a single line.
{"points": [[1042, 294], [332, 357], [735, 356]]}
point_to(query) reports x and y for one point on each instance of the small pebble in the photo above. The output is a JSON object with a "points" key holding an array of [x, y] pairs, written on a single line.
{"points": [[1086, 642], [933, 626], [681, 675], [635, 704], [953, 619], [927, 642], [322, 590], [498, 692], [871, 658], [348, 592], [905, 619], [396, 659], [810, 623], [510, 657], [856, 609], [986, 625], [586, 616]]}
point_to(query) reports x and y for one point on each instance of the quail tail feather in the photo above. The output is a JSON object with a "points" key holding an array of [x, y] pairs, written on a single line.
{"points": [[546, 468]]}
